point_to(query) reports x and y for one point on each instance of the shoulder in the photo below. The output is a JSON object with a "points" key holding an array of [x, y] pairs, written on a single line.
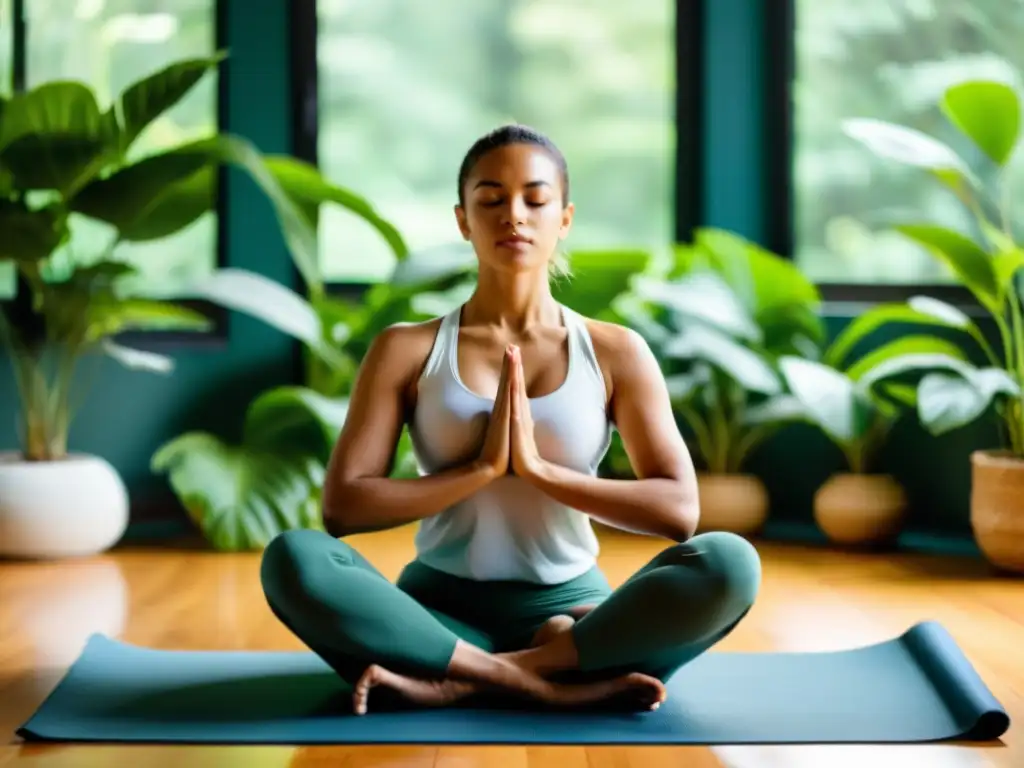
{"points": [[617, 345], [622, 353], [401, 350]]}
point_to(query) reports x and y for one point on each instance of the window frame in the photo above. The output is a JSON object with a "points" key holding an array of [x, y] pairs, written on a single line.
{"points": [[21, 304], [688, 182], [778, 193]]}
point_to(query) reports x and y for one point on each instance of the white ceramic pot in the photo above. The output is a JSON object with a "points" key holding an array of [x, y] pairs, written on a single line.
{"points": [[70, 507]]}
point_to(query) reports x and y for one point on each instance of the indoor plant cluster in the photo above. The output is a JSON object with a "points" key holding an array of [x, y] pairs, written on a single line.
{"points": [[66, 158]]}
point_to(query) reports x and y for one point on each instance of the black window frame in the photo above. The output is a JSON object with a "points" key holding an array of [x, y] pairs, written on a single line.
{"points": [[21, 304], [780, 71], [688, 115]]}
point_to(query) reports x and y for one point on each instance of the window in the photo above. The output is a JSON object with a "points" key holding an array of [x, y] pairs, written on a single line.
{"points": [[405, 87], [109, 44], [890, 60]]}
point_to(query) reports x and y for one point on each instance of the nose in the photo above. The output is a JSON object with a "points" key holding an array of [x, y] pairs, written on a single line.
{"points": [[515, 211]]}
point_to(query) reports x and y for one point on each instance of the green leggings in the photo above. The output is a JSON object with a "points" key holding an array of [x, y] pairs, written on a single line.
{"points": [[678, 605]]}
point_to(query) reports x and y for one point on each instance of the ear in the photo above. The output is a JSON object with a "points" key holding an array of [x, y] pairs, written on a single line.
{"points": [[567, 214], [460, 217]]}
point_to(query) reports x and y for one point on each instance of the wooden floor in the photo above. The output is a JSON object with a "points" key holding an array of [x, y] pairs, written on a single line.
{"points": [[188, 598]]}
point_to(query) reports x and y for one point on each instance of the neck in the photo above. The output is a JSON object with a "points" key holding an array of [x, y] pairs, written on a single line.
{"points": [[513, 300]]}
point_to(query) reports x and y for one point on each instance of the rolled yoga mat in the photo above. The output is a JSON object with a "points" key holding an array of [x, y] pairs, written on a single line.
{"points": [[914, 688]]}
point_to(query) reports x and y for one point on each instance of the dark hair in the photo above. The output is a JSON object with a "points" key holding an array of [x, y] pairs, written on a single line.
{"points": [[512, 134]]}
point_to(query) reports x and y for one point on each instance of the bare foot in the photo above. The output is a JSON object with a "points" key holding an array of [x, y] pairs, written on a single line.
{"points": [[633, 691], [550, 629], [427, 693]]}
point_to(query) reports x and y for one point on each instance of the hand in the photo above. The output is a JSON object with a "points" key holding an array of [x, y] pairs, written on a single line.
{"points": [[495, 452], [524, 456]]}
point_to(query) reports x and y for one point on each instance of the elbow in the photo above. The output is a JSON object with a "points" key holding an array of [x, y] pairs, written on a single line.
{"points": [[334, 508], [686, 514]]}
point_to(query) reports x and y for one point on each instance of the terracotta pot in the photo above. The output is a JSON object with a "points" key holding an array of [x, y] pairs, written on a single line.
{"points": [[860, 510], [736, 503], [997, 508]]}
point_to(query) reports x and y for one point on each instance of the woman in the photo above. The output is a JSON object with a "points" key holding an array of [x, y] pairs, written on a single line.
{"points": [[510, 402]]}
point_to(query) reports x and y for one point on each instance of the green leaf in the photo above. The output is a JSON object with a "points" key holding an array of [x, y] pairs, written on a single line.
{"points": [[107, 318], [901, 347], [905, 368], [971, 264], [868, 322], [305, 185], [1006, 265], [137, 359], [241, 496], [269, 302], [907, 146], [701, 343], [30, 235], [700, 296], [145, 100], [598, 277], [684, 386], [945, 313], [54, 137], [775, 410], [949, 401], [988, 113], [126, 198], [829, 398]]}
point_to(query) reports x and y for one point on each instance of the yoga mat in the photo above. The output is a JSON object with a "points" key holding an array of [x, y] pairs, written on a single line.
{"points": [[917, 687]]}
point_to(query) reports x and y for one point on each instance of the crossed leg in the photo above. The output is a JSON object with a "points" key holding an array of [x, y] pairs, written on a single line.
{"points": [[375, 635]]}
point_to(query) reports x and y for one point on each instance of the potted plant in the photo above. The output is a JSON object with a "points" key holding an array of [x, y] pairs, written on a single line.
{"points": [[62, 156], [950, 391], [719, 320]]}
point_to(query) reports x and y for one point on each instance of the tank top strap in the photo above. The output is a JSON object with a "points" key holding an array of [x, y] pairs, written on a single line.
{"points": [[582, 346], [445, 342]]}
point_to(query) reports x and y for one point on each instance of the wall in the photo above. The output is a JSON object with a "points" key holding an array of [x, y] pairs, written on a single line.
{"points": [[214, 381]]}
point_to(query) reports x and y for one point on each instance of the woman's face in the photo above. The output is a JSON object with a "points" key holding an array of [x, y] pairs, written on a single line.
{"points": [[513, 212]]}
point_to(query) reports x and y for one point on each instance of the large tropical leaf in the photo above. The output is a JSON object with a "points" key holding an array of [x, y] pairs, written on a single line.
{"points": [[270, 302], [948, 401], [703, 297], [133, 198], [598, 277], [704, 344], [968, 260], [310, 190], [988, 113], [145, 100], [916, 311], [829, 398], [910, 147], [30, 235], [241, 496], [109, 318], [54, 137], [905, 345]]}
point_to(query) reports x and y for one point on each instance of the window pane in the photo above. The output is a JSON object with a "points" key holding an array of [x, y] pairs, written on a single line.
{"points": [[890, 60], [406, 87], [109, 44], [7, 277]]}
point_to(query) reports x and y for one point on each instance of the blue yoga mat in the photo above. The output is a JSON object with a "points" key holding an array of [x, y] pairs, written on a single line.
{"points": [[917, 687]]}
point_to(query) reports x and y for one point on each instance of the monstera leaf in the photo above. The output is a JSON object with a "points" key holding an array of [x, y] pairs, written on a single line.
{"points": [[241, 496]]}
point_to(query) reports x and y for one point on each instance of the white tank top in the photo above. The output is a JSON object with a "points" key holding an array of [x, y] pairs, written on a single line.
{"points": [[509, 529]]}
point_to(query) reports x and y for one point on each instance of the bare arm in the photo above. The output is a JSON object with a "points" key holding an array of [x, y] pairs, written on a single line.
{"points": [[663, 500], [359, 496]]}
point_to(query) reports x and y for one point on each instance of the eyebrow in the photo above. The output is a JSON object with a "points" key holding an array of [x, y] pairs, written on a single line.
{"points": [[489, 183]]}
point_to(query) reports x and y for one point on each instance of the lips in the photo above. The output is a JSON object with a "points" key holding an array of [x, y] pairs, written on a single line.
{"points": [[514, 241]]}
